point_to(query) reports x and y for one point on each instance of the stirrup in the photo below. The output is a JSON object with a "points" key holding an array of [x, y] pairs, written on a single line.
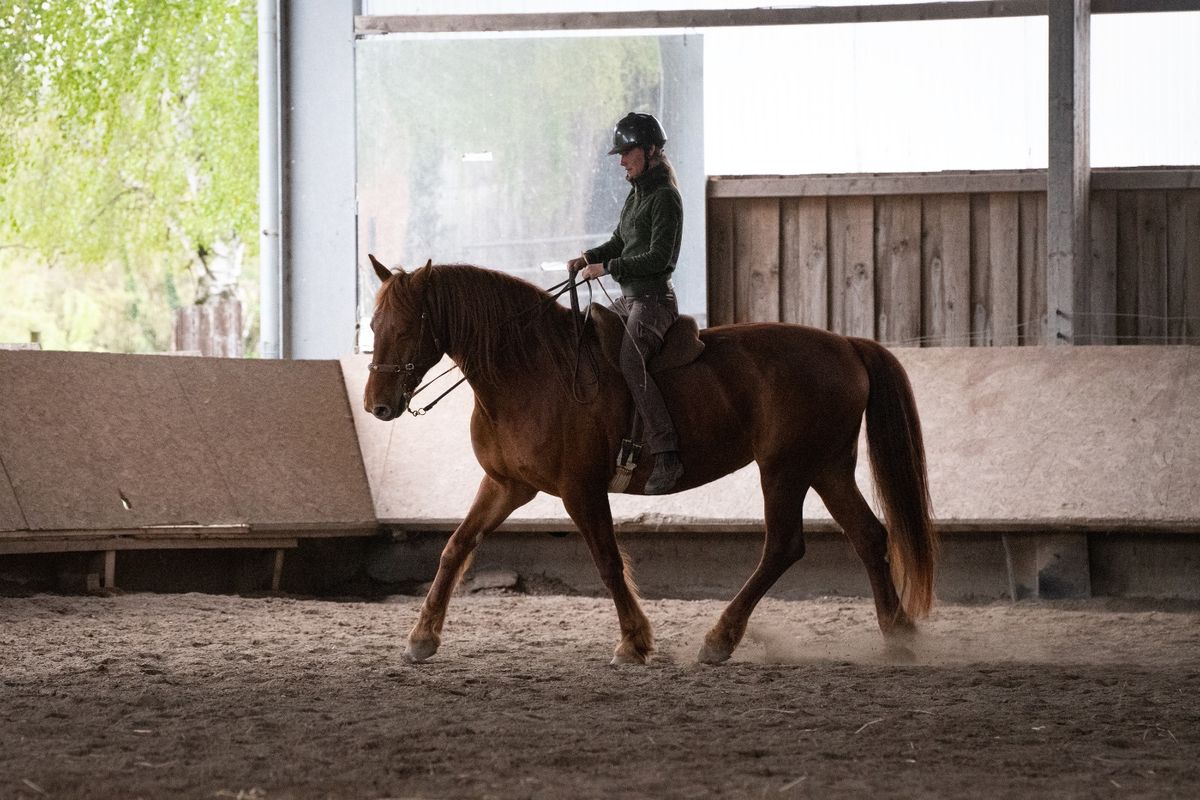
{"points": [[627, 459]]}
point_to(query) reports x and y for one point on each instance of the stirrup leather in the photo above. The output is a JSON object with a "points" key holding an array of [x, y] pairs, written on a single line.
{"points": [[627, 459]]}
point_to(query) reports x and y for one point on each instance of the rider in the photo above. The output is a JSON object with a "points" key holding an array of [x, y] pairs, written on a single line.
{"points": [[641, 256]]}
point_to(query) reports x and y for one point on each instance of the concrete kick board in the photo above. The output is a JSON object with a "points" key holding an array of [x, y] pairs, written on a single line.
{"points": [[185, 440], [79, 430], [1088, 435], [282, 436]]}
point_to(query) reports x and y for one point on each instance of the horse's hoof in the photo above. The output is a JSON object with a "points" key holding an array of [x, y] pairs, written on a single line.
{"points": [[898, 653], [712, 655], [420, 650], [620, 658]]}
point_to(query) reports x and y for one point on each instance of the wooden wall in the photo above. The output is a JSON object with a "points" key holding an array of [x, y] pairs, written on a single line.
{"points": [[953, 259]]}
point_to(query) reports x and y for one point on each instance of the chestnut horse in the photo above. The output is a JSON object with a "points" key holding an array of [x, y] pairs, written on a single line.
{"points": [[788, 397]]}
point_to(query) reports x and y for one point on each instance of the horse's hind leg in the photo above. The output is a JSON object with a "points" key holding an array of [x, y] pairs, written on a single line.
{"points": [[593, 516], [783, 546], [493, 503], [869, 538]]}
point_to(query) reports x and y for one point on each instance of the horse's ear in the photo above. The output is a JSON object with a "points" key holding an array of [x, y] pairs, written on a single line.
{"points": [[383, 272], [428, 263]]}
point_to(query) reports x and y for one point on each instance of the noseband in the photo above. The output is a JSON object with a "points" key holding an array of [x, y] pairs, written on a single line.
{"points": [[409, 368]]}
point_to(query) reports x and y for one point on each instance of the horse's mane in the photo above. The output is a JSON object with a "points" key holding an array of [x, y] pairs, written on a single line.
{"points": [[491, 321]]}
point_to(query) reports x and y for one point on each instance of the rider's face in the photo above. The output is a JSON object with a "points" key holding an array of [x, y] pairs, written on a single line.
{"points": [[634, 162]]}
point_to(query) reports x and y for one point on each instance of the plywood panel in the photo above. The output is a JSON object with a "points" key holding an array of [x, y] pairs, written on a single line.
{"points": [[1004, 246], [282, 435], [11, 518], [1067, 436], [898, 270], [1032, 268], [852, 265], [1152, 266], [97, 440], [1096, 300], [804, 271], [981, 271], [946, 270], [756, 259], [721, 280]]}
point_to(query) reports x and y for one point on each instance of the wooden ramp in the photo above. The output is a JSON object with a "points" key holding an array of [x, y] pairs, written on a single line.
{"points": [[104, 452]]}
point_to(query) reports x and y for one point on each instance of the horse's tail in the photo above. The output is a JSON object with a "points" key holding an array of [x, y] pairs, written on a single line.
{"points": [[901, 482]]}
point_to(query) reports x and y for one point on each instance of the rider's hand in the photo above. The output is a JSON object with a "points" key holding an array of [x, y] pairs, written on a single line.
{"points": [[592, 271], [576, 264]]}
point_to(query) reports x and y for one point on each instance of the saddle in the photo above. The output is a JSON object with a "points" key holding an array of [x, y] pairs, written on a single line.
{"points": [[681, 345]]}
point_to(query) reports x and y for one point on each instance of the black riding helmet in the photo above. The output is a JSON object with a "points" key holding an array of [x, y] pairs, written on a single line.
{"points": [[637, 130]]}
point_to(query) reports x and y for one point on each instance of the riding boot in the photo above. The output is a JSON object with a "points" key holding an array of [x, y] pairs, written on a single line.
{"points": [[668, 469]]}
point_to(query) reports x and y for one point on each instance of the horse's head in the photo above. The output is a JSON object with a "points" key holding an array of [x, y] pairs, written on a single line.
{"points": [[406, 344]]}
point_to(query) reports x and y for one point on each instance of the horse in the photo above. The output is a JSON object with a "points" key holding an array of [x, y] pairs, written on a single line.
{"points": [[789, 397]]}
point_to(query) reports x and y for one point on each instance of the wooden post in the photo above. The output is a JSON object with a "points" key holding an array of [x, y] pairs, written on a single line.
{"points": [[1069, 178], [277, 570], [110, 569]]}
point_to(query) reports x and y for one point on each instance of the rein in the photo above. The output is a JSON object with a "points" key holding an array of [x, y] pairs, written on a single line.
{"points": [[568, 285]]}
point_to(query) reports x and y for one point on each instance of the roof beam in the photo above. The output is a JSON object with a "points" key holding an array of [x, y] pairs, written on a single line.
{"points": [[727, 18]]}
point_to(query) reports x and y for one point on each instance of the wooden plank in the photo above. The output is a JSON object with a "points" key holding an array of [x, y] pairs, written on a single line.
{"points": [[946, 270], [1127, 269], [94, 544], [981, 271], [948, 182], [852, 266], [756, 259], [1003, 249], [1069, 172], [1152, 267], [1099, 302], [1191, 305], [1183, 266], [1032, 267], [898, 270], [721, 291], [1128, 179], [804, 271], [875, 184]]}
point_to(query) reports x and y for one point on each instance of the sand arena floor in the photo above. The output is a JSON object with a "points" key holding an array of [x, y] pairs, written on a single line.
{"points": [[178, 696]]}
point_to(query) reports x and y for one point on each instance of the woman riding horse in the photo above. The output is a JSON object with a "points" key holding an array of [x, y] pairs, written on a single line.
{"points": [[641, 256]]}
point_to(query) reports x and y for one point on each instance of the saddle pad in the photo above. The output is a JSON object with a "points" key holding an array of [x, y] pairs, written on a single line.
{"points": [[681, 346]]}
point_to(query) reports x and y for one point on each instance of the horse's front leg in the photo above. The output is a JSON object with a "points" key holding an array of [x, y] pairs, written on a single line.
{"points": [[591, 513], [493, 503]]}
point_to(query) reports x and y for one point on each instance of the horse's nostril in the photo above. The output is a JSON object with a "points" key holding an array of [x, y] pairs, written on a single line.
{"points": [[383, 412]]}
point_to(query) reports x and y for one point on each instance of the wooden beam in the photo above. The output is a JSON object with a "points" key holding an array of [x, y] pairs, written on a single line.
{"points": [[1068, 181], [370, 25], [878, 184]]}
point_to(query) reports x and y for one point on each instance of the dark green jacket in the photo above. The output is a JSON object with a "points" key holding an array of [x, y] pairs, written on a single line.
{"points": [[642, 252]]}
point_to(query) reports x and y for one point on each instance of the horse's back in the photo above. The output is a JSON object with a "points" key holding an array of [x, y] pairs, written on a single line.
{"points": [[788, 386]]}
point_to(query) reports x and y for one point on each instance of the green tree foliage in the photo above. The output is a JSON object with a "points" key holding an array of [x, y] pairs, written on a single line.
{"points": [[128, 165]]}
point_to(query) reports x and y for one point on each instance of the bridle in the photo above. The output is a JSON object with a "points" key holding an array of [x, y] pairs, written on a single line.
{"points": [[409, 368]]}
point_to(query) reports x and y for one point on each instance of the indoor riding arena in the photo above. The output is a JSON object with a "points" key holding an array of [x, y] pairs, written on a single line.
{"points": [[209, 566]]}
